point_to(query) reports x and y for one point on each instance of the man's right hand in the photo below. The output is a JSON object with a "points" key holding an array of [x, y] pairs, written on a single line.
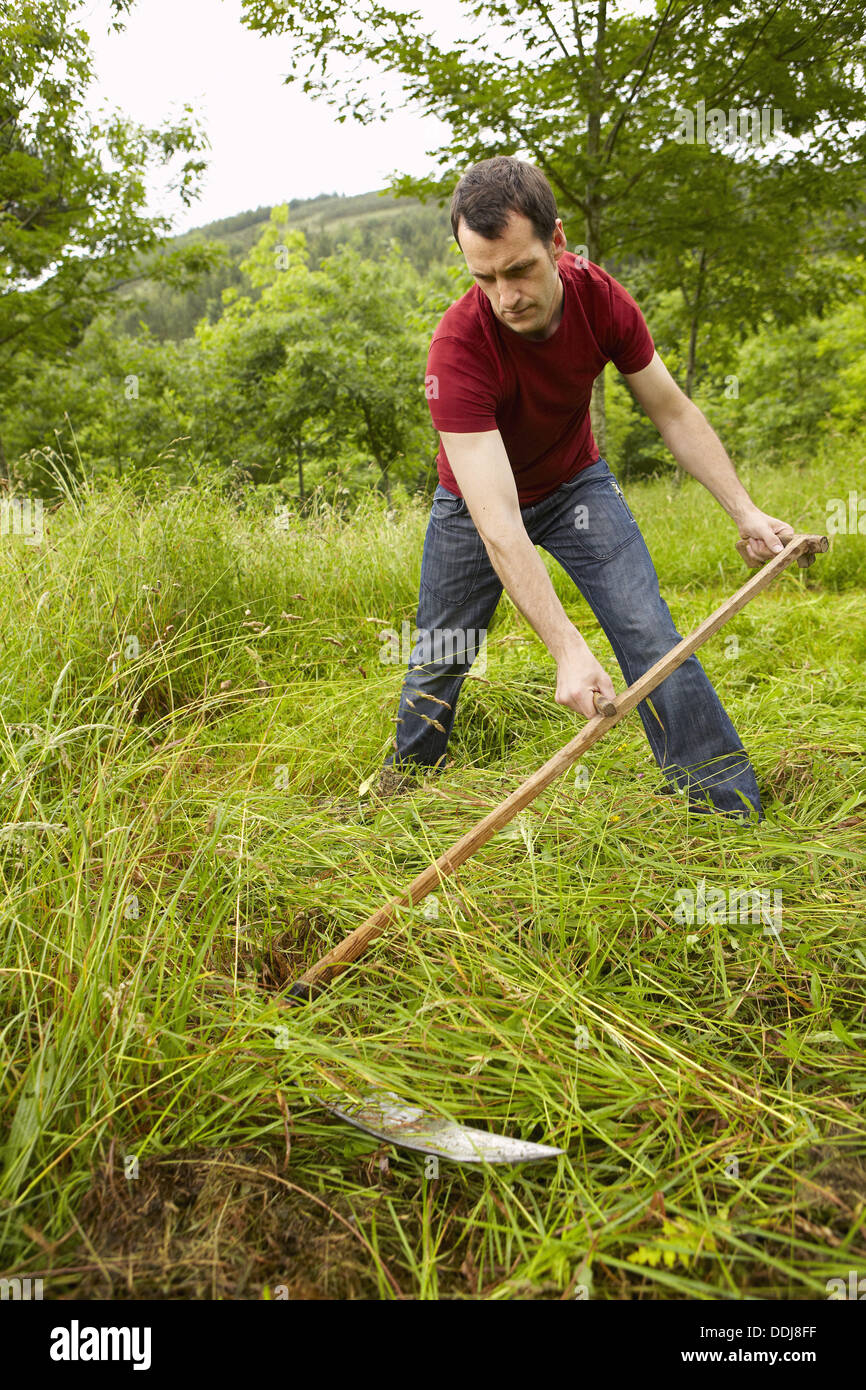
{"points": [[578, 675]]}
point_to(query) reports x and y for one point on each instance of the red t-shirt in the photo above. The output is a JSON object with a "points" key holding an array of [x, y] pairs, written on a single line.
{"points": [[481, 375]]}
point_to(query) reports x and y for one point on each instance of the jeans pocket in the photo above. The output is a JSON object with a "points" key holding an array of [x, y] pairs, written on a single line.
{"points": [[603, 521], [453, 552], [446, 505]]}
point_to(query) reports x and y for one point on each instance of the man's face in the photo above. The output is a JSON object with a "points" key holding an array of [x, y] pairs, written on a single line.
{"points": [[518, 273]]}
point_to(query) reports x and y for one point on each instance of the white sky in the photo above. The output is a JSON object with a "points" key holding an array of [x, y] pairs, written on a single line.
{"points": [[269, 142]]}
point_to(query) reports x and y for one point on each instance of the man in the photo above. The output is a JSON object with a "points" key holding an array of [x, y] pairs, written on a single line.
{"points": [[510, 375]]}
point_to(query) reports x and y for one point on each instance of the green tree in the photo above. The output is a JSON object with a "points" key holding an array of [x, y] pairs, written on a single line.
{"points": [[590, 90], [791, 383], [321, 372], [117, 402], [73, 224]]}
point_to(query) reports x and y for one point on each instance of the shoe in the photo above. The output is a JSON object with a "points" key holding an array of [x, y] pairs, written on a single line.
{"points": [[393, 783]]}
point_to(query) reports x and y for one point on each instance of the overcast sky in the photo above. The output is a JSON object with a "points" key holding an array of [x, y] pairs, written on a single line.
{"points": [[269, 142]]}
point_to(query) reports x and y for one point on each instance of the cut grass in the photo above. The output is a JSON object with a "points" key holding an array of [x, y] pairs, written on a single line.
{"points": [[191, 701]]}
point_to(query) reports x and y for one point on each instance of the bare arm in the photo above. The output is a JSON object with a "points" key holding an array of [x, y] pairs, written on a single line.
{"points": [[480, 465], [697, 448]]}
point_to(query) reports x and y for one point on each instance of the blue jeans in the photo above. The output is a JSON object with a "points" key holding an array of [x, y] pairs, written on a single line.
{"points": [[587, 526]]}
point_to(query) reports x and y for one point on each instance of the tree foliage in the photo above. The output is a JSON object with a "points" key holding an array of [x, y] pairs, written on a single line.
{"points": [[308, 377], [73, 222], [590, 91]]}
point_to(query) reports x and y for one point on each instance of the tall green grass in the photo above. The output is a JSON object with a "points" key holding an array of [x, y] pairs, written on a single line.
{"points": [[191, 705]]}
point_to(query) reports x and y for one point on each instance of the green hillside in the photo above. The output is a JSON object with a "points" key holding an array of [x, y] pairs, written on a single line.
{"points": [[371, 220]]}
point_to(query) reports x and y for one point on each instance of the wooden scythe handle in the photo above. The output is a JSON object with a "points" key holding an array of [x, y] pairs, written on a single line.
{"points": [[804, 560], [354, 945], [604, 706]]}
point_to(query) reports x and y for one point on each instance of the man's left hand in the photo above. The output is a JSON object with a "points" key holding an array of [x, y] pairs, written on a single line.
{"points": [[764, 535]]}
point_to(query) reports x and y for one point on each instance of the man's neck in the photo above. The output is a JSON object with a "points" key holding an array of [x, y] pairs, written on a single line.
{"points": [[555, 317]]}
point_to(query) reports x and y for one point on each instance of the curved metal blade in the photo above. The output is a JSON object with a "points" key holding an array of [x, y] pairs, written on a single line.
{"points": [[384, 1115]]}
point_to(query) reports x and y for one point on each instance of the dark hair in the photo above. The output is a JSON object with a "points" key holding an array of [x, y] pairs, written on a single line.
{"points": [[489, 191]]}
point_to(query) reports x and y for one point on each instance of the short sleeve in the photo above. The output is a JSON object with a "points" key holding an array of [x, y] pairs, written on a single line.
{"points": [[460, 387], [627, 343]]}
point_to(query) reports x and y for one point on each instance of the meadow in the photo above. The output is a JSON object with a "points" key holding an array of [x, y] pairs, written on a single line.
{"points": [[194, 710]]}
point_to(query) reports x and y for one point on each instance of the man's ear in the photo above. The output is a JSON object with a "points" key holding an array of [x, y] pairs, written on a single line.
{"points": [[560, 244]]}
